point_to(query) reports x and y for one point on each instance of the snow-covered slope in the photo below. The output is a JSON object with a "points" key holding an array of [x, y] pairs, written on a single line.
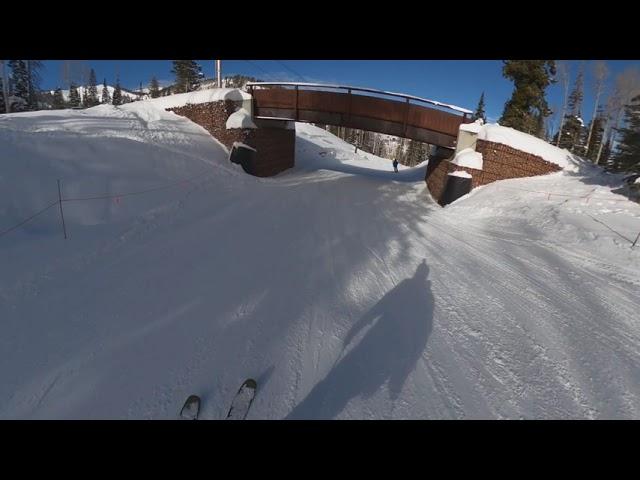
{"points": [[340, 286], [200, 96], [100, 88]]}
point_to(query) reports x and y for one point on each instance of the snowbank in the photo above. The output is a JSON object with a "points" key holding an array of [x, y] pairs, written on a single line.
{"points": [[240, 119], [527, 143], [460, 173], [202, 96], [468, 158], [474, 127], [243, 145]]}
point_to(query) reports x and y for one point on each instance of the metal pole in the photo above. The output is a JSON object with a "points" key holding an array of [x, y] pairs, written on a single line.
{"points": [[219, 72], [636, 240], [64, 228]]}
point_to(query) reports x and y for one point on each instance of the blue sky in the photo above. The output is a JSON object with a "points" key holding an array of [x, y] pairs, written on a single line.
{"points": [[459, 82]]}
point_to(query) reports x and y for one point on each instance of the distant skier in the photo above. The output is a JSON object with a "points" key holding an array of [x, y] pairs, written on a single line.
{"points": [[395, 166]]}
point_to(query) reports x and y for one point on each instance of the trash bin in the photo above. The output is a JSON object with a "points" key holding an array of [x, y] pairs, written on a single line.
{"points": [[458, 184], [243, 155]]}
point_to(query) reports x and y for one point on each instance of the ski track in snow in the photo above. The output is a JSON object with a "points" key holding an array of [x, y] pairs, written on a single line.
{"points": [[339, 286]]}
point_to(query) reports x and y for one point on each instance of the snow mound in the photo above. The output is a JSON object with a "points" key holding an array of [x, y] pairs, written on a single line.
{"points": [[474, 127], [101, 151], [460, 173], [201, 96], [240, 119], [527, 143], [468, 158]]}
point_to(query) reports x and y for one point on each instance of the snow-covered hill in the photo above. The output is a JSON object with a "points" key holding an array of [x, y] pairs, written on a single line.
{"points": [[100, 87], [341, 287]]}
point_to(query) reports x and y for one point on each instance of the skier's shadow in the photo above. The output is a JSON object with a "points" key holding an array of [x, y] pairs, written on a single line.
{"points": [[388, 352]]}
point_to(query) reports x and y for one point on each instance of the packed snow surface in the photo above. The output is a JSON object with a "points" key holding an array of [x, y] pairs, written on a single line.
{"points": [[339, 285]]}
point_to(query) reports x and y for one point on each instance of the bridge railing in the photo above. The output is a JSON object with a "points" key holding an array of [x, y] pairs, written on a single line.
{"points": [[402, 115], [251, 85]]}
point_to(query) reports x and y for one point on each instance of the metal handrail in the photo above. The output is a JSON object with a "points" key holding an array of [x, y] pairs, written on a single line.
{"points": [[464, 111]]}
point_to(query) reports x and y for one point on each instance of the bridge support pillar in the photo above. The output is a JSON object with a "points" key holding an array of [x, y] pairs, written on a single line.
{"points": [[275, 145], [274, 140]]}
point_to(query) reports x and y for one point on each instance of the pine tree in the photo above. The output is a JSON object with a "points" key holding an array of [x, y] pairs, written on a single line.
{"points": [[188, 75], [479, 113], [33, 68], [106, 97], [627, 155], [564, 74], [58, 99], [577, 95], [2, 104], [527, 102], [117, 94], [574, 133], [74, 96], [154, 88], [91, 93], [540, 130], [20, 85]]}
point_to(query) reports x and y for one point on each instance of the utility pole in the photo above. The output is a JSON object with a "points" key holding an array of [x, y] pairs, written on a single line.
{"points": [[5, 87], [219, 73]]}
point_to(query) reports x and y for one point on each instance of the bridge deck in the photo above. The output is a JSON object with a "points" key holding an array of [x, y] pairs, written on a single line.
{"points": [[400, 118]]}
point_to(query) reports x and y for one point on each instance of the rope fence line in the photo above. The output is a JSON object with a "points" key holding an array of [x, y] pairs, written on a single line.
{"points": [[62, 200], [586, 197], [28, 219], [139, 192], [617, 233]]}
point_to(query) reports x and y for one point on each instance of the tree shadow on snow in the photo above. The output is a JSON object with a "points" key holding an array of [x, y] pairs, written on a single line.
{"points": [[401, 324]]}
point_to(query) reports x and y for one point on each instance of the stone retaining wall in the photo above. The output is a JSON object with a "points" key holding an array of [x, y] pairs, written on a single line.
{"points": [[499, 162], [274, 142]]}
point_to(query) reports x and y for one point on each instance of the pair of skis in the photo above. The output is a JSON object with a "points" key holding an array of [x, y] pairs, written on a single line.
{"points": [[239, 406]]}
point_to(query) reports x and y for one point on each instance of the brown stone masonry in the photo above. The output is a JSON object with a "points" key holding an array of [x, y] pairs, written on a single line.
{"points": [[274, 143], [213, 117], [500, 162]]}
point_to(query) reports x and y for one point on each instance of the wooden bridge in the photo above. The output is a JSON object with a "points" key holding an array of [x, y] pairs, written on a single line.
{"points": [[405, 116]]}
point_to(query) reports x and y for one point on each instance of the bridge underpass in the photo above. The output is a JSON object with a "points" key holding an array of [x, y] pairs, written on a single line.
{"points": [[406, 116]]}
